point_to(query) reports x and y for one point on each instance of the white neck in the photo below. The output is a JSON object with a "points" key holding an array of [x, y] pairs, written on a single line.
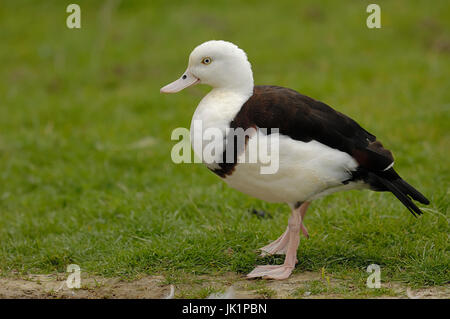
{"points": [[219, 107], [242, 84]]}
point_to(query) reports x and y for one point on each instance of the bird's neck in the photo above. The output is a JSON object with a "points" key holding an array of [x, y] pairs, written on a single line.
{"points": [[238, 82], [218, 108]]}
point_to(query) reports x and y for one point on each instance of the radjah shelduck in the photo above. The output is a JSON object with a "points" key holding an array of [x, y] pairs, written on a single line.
{"points": [[321, 151]]}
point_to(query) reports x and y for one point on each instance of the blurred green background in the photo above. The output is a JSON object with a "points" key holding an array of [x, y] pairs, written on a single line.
{"points": [[85, 169]]}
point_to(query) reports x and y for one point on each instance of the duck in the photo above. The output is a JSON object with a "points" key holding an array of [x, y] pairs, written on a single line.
{"points": [[320, 150]]}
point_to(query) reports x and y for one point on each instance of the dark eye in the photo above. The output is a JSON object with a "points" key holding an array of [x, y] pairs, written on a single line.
{"points": [[206, 60]]}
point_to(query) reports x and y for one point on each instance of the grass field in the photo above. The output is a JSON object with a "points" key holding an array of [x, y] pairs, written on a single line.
{"points": [[85, 170]]}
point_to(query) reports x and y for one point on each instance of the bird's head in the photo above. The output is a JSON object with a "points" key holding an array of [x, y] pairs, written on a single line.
{"points": [[220, 64]]}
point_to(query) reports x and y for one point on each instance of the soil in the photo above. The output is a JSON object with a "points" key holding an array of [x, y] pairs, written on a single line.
{"points": [[54, 286]]}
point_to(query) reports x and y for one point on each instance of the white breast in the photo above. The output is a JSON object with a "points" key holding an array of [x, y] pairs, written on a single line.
{"points": [[216, 110]]}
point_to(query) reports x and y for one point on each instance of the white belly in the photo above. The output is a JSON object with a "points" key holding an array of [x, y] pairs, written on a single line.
{"points": [[306, 171]]}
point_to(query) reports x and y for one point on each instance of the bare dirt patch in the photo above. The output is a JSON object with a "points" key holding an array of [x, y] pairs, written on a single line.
{"points": [[54, 286], [304, 285]]}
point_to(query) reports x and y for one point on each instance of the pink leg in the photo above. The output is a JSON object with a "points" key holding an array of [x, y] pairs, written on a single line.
{"points": [[303, 208], [279, 246], [292, 237]]}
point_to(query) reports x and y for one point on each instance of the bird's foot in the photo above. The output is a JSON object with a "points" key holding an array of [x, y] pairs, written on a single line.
{"points": [[271, 272], [279, 246]]}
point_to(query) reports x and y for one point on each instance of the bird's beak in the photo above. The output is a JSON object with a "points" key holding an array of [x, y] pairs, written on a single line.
{"points": [[186, 80]]}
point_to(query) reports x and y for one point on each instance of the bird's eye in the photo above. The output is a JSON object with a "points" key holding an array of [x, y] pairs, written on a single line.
{"points": [[206, 60]]}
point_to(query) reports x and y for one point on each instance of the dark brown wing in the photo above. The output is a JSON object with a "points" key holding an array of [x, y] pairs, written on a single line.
{"points": [[305, 119]]}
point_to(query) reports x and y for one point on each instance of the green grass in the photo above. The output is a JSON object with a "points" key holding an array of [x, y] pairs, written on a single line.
{"points": [[85, 169]]}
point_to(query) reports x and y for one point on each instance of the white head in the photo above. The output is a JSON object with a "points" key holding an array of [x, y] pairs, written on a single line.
{"points": [[220, 64]]}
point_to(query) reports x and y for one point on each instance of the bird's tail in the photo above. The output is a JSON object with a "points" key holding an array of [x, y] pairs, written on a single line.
{"points": [[392, 182]]}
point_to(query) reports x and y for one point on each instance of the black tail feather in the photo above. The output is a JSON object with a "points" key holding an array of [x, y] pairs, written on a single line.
{"points": [[401, 190], [411, 191]]}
